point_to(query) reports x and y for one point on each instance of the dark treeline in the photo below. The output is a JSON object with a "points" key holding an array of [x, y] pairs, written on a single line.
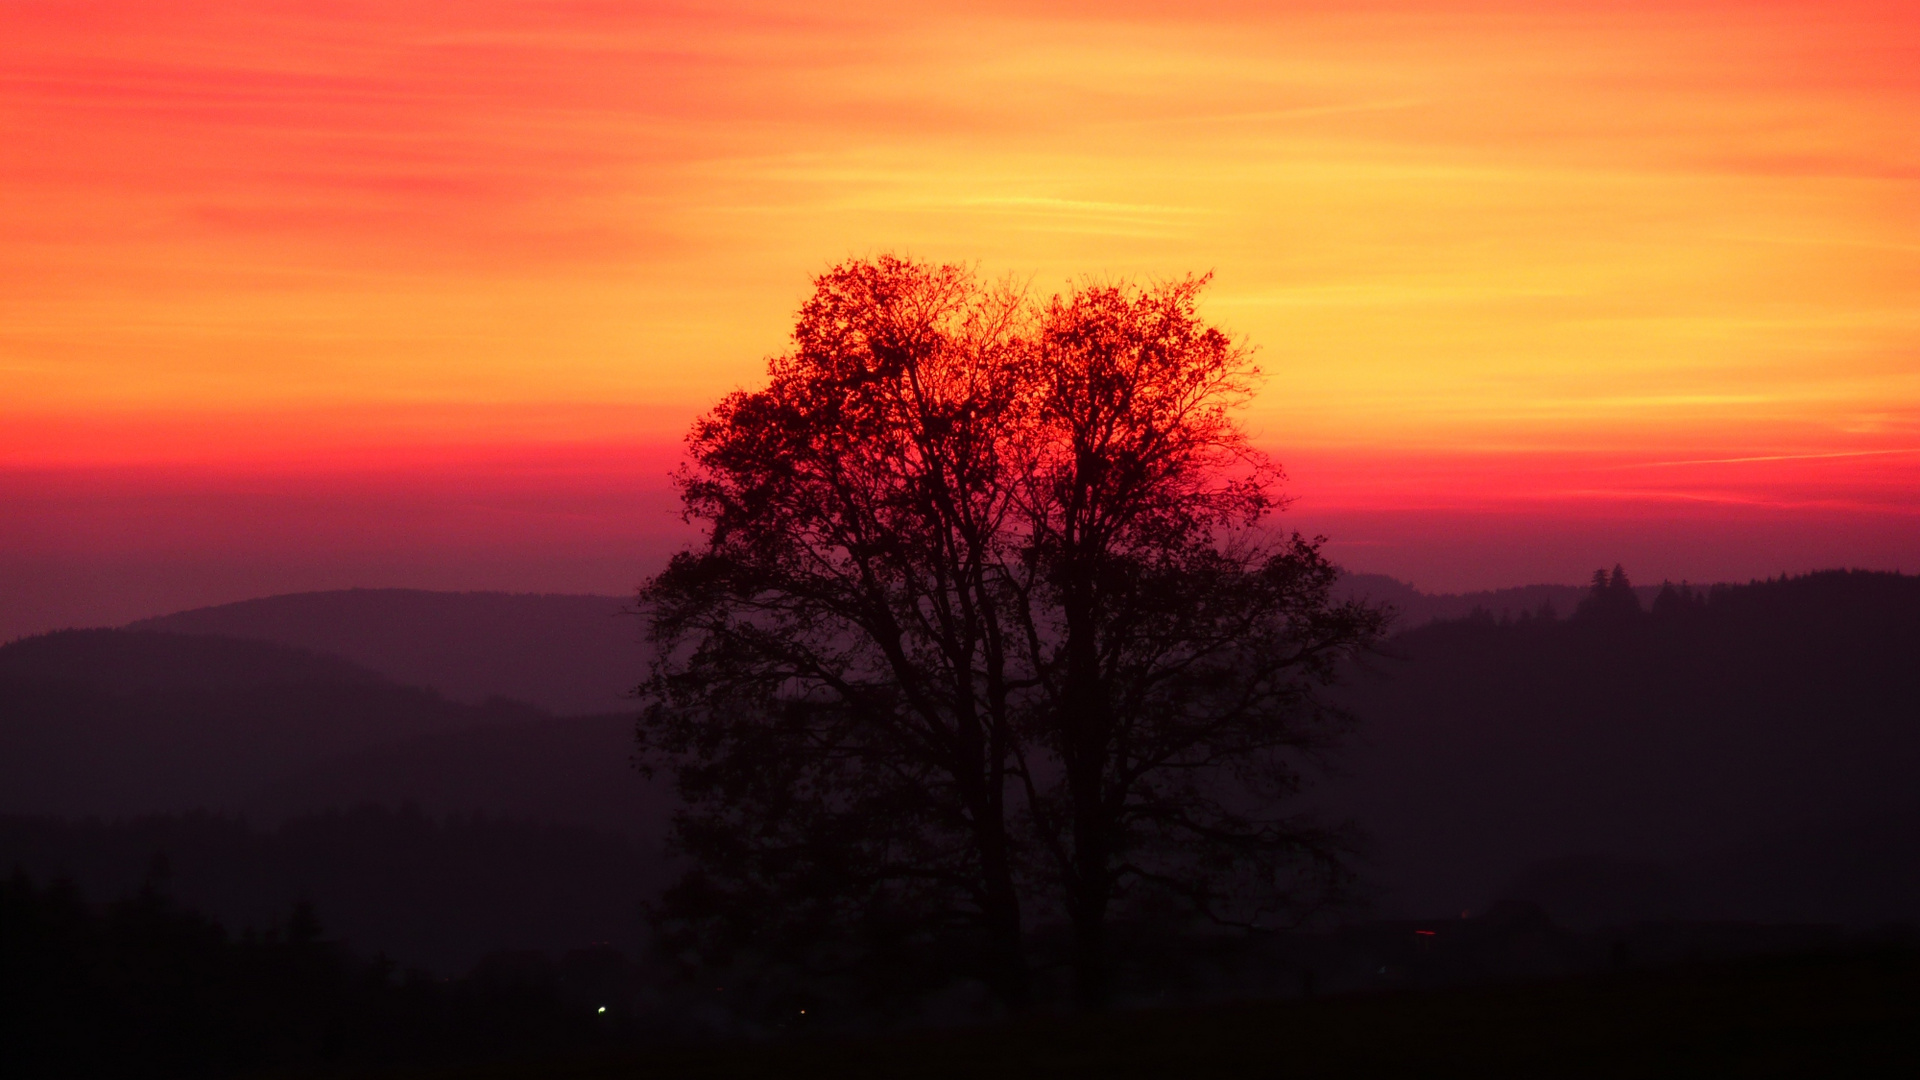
{"points": [[434, 893], [1414, 609], [143, 986], [146, 986], [1739, 752]]}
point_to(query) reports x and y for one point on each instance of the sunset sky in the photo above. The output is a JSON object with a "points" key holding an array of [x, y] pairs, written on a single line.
{"points": [[308, 295]]}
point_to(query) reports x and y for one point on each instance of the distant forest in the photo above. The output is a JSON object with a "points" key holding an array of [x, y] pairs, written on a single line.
{"points": [[1742, 752]]}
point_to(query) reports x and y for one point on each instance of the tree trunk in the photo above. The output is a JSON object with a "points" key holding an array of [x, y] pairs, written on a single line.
{"points": [[980, 783], [1092, 975], [1008, 976], [1085, 749]]}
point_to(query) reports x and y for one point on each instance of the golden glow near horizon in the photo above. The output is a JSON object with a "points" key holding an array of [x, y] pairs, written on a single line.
{"points": [[1576, 240]]}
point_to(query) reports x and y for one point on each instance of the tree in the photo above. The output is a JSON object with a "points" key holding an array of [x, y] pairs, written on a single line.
{"points": [[1672, 603], [833, 691], [986, 625], [1610, 598], [1178, 645]]}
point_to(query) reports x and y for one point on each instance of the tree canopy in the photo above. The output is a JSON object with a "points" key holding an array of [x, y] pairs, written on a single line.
{"points": [[990, 629]]}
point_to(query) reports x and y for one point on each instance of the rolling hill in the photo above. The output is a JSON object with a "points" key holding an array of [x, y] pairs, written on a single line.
{"points": [[115, 722], [434, 831], [1745, 753], [565, 654], [580, 655]]}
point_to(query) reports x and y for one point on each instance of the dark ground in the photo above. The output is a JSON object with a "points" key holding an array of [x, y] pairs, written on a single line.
{"points": [[1839, 1014]]}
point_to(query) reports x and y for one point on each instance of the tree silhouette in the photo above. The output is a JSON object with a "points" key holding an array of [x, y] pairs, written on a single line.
{"points": [[1611, 597], [1177, 645], [987, 628], [1674, 602]]}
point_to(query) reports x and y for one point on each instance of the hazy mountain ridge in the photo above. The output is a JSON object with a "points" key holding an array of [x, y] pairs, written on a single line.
{"points": [[126, 722], [568, 654], [582, 654]]}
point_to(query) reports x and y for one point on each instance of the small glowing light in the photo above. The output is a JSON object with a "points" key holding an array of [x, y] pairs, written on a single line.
{"points": [[803, 1012], [1424, 933], [602, 1008]]}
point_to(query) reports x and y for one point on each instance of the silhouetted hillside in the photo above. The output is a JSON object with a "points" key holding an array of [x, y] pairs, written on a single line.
{"points": [[437, 894], [1746, 752], [1846, 1015], [1417, 609], [144, 986], [519, 831], [122, 722], [1743, 753], [571, 770], [566, 654], [144, 663]]}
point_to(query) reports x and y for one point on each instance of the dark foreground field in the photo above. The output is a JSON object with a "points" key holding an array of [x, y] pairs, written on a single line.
{"points": [[1840, 1015]]}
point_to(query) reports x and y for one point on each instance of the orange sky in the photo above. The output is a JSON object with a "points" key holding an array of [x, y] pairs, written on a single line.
{"points": [[1558, 263]]}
